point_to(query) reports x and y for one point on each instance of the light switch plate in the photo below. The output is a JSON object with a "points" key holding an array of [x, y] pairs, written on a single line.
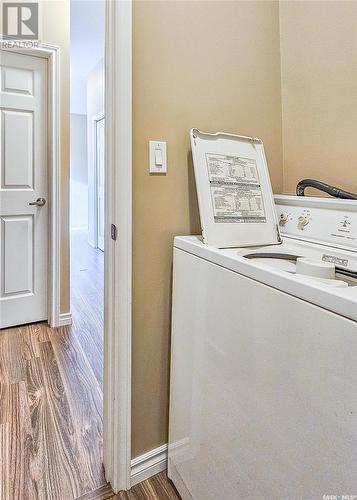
{"points": [[157, 157]]}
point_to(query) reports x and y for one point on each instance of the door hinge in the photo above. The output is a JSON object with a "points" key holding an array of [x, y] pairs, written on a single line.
{"points": [[113, 232]]}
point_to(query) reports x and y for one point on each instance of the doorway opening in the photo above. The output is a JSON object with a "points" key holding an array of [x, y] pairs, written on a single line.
{"points": [[87, 200], [87, 167]]}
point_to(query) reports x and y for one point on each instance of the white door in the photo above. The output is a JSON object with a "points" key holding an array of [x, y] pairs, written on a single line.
{"points": [[23, 180], [100, 159]]}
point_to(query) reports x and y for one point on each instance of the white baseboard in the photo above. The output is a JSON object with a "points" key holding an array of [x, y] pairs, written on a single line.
{"points": [[148, 464], [65, 319]]}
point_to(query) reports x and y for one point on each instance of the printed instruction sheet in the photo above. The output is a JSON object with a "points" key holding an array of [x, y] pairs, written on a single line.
{"points": [[235, 189]]}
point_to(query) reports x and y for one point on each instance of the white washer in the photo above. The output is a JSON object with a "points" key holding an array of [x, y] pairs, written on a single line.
{"points": [[264, 363]]}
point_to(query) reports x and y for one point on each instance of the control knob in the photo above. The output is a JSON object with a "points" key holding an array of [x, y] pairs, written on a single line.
{"points": [[283, 219], [303, 221]]}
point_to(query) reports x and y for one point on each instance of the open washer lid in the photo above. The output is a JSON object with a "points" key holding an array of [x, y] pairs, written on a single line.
{"points": [[234, 191]]}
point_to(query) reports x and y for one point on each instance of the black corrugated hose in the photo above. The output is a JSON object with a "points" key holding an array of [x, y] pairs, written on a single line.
{"points": [[326, 188]]}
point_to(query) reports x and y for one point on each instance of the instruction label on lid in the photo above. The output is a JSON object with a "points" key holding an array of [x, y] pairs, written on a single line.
{"points": [[235, 188]]}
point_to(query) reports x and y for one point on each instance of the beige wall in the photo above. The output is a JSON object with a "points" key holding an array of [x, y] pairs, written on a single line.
{"points": [[319, 92], [211, 65], [54, 29]]}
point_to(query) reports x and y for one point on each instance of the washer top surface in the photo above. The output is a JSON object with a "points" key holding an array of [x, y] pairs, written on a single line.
{"points": [[322, 231], [285, 257], [280, 273]]}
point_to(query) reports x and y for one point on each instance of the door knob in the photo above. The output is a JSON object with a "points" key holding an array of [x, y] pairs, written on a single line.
{"points": [[39, 202]]}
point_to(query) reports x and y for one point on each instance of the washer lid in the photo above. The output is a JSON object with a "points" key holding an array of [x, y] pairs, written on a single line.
{"points": [[234, 191]]}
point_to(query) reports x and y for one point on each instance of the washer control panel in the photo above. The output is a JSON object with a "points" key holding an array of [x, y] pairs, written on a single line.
{"points": [[320, 220]]}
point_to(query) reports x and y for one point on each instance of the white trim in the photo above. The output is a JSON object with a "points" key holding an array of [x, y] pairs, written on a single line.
{"points": [[95, 119], [54, 155], [52, 54], [65, 319], [148, 464], [118, 254]]}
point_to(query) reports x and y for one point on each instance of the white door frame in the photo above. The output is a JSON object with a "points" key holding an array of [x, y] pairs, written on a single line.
{"points": [[118, 254], [52, 54], [96, 118]]}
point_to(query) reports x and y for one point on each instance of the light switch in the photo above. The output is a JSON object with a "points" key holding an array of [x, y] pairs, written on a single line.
{"points": [[157, 157]]}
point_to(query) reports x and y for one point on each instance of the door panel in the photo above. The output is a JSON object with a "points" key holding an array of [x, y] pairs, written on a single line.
{"points": [[17, 241], [17, 80], [17, 163], [23, 179]]}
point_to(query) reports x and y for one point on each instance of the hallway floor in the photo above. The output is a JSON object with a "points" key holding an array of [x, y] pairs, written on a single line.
{"points": [[51, 400], [51, 395]]}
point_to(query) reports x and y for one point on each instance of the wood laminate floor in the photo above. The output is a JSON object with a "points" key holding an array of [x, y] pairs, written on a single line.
{"points": [[158, 487], [51, 400]]}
